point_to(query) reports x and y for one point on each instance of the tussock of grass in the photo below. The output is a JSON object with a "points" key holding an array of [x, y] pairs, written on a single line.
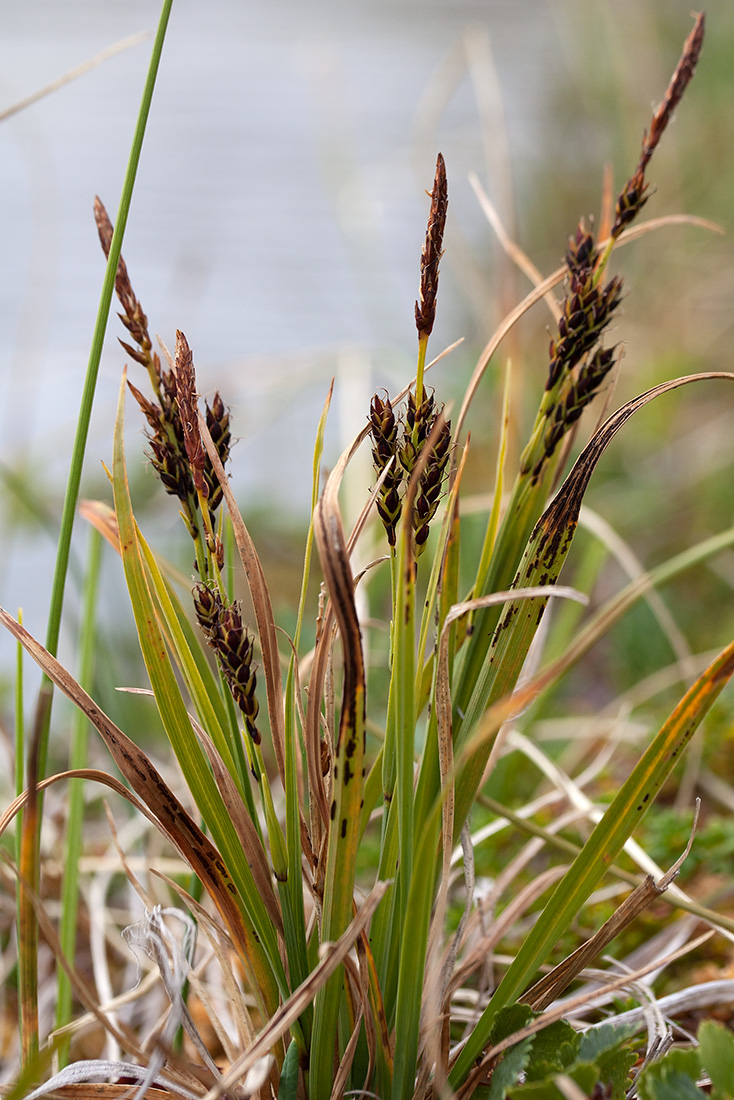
{"points": [[320, 936]]}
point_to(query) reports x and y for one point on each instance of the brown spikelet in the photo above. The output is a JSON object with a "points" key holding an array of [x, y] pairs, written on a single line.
{"points": [[132, 317], [430, 486], [384, 433], [419, 419], [678, 84], [233, 646], [636, 191], [186, 398], [425, 307], [217, 421]]}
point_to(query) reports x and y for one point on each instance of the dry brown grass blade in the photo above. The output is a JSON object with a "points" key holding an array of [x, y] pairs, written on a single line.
{"points": [[100, 516], [261, 603], [104, 1091], [146, 781], [551, 985], [568, 1007], [82, 990], [517, 906], [520, 259], [323, 647], [77, 71], [289, 1012], [91, 775], [564, 509]]}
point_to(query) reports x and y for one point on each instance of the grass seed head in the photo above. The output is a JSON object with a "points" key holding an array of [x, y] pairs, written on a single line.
{"points": [[217, 421], [587, 310], [186, 399], [636, 191], [132, 317], [208, 606], [425, 307], [418, 423], [232, 644], [430, 486], [384, 435], [581, 252]]}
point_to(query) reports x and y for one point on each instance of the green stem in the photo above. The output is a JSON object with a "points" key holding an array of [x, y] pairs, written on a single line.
{"points": [[77, 759], [419, 370], [90, 382], [19, 735]]}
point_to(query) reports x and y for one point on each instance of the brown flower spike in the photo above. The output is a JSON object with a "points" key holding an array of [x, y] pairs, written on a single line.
{"points": [[229, 639], [187, 409], [636, 191], [425, 307]]}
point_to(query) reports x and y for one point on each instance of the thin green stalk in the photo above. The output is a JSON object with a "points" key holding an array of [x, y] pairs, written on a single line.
{"points": [[90, 382], [490, 536], [629, 806], [419, 371], [19, 735], [388, 755], [291, 892], [403, 678], [77, 759]]}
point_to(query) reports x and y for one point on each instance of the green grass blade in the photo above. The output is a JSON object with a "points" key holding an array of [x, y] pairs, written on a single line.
{"points": [[90, 382], [177, 725], [208, 714], [77, 759], [603, 846], [292, 891], [542, 561], [347, 782], [412, 959], [480, 583]]}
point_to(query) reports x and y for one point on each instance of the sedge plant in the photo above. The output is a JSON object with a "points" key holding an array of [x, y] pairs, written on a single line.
{"points": [[345, 981]]}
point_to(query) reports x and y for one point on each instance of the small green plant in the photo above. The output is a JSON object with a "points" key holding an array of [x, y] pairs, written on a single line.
{"points": [[338, 983]]}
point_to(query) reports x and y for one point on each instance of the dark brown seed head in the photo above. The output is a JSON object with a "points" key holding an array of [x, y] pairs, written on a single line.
{"points": [[418, 423], [587, 310], [217, 421], [636, 191], [208, 607], [234, 648], [581, 253], [132, 317], [186, 398], [384, 435], [425, 307], [430, 486], [674, 93]]}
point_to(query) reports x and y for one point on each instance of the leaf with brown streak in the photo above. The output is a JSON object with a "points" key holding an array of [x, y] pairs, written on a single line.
{"points": [[541, 564], [149, 785], [347, 772]]}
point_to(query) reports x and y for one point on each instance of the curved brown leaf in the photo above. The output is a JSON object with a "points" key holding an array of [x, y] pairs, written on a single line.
{"points": [[149, 785]]}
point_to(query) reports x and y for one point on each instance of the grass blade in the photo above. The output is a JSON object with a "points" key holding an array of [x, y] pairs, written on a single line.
{"points": [[541, 564], [176, 722], [604, 845], [90, 381], [77, 759], [347, 778]]}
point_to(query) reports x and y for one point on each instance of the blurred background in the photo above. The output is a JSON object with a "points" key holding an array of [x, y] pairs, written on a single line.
{"points": [[278, 219]]}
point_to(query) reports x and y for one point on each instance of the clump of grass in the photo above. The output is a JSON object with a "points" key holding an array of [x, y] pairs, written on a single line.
{"points": [[334, 986]]}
